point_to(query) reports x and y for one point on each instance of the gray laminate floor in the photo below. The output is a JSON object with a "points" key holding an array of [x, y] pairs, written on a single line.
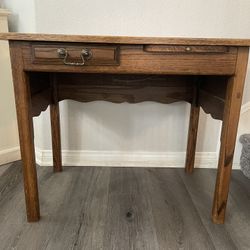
{"points": [[123, 208]]}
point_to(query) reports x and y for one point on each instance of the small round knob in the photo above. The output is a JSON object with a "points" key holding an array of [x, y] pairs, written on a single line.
{"points": [[188, 49], [62, 52], [87, 54]]}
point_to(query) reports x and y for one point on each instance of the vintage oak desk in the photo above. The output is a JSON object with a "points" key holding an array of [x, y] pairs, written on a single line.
{"points": [[207, 73]]}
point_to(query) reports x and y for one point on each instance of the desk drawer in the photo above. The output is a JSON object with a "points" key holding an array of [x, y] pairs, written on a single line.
{"points": [[79, 55], [130, 59], [185, 49]]}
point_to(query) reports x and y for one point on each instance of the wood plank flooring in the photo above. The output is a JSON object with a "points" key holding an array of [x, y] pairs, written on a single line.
{"points": [[96, 208]]}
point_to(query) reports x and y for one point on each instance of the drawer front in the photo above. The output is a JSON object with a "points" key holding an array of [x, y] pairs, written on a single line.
{"points": [[79, 55], [168, 59], [185, 49], [130, 59]]}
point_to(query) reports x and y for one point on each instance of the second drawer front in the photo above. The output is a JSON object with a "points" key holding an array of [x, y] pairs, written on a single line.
{"points": [[185, 49], [99, 55]]}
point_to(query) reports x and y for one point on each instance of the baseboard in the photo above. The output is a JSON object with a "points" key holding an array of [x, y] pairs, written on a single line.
{"points": [[132, 159], [9, 155], [126, 159], [119, 158], [245, 108]]}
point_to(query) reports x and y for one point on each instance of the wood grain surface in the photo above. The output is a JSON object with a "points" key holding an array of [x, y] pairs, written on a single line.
{"points": [[231, 115], [130, 59], [129, 69], [26, 134], [123, 39], [123, 208], [193, 129], [55, 125]]}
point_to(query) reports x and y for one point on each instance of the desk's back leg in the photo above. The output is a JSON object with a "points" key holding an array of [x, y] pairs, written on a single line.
{"points": [[26, 133], [55, 127], [192, 133], [228, 137]]}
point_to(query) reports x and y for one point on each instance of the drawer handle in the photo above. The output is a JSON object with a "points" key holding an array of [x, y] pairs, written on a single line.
{"points": [[85, 55]]}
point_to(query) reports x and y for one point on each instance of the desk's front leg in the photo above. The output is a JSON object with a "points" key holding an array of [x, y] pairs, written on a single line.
{"points": [[228, 137], [26, 134]]}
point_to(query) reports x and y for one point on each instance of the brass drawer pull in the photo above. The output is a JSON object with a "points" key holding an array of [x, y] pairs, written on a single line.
{"points": [[85, 55]]}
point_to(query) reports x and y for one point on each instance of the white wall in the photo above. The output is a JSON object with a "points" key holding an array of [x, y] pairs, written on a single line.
{"points": [[9, 150], [225, 18], [22, 17], [124, 131], [246, 97]]}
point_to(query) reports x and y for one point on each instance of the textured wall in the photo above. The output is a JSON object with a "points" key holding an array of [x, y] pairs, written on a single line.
{"points": [[146, 127], [8, 126], [23, 17]]}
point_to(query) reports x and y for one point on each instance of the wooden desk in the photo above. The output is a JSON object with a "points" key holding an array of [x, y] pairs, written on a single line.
{"points": [[207, 73]]}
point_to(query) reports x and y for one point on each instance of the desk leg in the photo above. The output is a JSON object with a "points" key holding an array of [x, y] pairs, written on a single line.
{"points": [[55, 134], [26, 135], [55, 127], [192, 134], [192, 137], [228, 137]]}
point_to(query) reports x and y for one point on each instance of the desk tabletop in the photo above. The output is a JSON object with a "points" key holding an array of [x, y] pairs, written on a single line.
{"points": [[122, 39]]}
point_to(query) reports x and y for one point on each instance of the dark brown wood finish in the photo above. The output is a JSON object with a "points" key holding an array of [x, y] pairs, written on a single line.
{"points": [[193, 130], [124, 88], [233, 100], [100, 55], [40, 89], [123, 39], [125, 69], [55, 125], [131, 59], [26, 134], [212, 93], [186, 49]]}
